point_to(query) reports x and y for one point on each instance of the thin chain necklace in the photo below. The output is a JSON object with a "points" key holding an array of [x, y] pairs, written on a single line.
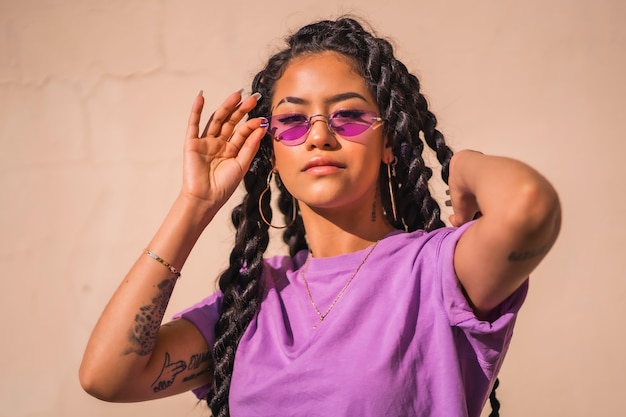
{"points": [[321, 315]]}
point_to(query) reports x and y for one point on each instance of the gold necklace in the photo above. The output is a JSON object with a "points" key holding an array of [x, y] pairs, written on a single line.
{"points": [[321, 315]]}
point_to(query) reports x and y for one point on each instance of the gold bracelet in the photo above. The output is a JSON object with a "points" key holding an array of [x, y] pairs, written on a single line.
{"points": [[162, 262]]}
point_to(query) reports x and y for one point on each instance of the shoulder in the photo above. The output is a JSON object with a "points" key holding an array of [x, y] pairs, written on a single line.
{"points": [[437, 243]]}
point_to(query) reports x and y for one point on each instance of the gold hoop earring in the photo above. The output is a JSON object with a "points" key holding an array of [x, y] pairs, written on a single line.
{"points": [[391, 173], [293, 201]]}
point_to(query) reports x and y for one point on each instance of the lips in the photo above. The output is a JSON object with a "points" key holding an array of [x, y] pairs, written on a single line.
{"points": [[322, 162]]}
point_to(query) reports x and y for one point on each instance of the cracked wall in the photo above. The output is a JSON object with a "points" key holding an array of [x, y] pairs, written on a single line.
{"points": [[94, 98]]}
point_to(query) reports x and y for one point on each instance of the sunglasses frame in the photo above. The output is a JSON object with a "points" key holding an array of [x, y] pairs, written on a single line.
{"points": [[374, 118]]}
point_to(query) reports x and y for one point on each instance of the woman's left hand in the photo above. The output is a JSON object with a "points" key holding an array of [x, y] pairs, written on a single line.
{"points": [[462, 199]]}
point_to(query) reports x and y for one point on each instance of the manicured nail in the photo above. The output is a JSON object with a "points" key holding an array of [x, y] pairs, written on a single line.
{"points": [[257, 96], [200, 93], [242, 98], [265, 124]]}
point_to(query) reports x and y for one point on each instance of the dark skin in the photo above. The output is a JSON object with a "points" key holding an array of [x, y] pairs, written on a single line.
{"points": [[126, 360]]}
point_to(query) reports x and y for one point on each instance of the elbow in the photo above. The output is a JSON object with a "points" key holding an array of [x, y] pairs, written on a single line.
{"points": [[537, 210], [95, 385]]}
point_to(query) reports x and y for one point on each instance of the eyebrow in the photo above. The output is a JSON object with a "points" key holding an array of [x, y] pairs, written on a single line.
{"points": [[330, 100]]}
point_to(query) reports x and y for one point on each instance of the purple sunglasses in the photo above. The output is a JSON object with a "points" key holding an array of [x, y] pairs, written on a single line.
{"points": [[291, 129]]}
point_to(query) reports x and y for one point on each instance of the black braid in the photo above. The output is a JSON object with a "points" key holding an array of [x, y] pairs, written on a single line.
{"points": [[240, 283], [406, 114], [495, 404]]}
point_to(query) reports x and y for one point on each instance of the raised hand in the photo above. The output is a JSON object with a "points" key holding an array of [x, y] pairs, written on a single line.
{"points": [[216, 160], [114, 367]]}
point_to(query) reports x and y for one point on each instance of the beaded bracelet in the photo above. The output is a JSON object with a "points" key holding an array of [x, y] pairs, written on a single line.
{"points": [[162, 262]]}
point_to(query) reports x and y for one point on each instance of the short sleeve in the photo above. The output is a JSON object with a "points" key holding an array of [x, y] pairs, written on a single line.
{"points": [[204, 315], [490, 338]]}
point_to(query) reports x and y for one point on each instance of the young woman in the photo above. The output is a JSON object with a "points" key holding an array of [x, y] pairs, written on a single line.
{"points": [[378, 309]]}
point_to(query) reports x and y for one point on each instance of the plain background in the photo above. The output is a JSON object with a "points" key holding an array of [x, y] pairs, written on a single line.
{"points": [[94, 99]]}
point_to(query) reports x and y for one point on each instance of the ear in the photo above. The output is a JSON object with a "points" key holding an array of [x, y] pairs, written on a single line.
{"points": [[387, 155]]}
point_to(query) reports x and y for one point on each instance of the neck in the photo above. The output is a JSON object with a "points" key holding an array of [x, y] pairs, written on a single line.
{"points": [[332, 233]]}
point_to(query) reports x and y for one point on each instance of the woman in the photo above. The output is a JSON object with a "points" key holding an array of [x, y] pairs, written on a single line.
{"points": [[378, 309]]}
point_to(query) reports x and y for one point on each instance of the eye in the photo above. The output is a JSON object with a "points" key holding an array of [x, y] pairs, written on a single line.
{"points": [[291, 119], [348, 116], [351, 122]]}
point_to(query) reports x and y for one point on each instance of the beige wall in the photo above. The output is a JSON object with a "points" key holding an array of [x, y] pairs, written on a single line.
{"points": [[94, 97]]}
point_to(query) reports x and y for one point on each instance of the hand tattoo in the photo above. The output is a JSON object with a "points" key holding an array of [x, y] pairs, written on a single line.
{"points": [[168, 373]]}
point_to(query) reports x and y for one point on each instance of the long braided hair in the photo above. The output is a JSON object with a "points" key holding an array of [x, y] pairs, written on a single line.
{"points": [[406, 117]]}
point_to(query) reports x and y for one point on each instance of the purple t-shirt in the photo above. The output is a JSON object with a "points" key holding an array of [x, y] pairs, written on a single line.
{"points": [[401, 341]]}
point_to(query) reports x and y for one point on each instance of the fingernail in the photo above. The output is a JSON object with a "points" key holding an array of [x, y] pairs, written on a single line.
{"points": [[241, 91], [257, 96], [200, 93], [265, 124]]}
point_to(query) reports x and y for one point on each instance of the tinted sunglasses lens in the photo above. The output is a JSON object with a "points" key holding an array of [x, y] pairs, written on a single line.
{"points": [[289, 129], [350, 129], [292, 134], [354, 123]]}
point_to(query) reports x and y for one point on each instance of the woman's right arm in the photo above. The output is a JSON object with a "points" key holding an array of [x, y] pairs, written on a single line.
{"points": [[130, 356]]}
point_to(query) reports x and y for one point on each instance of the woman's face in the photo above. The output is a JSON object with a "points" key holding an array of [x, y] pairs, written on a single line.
{"points": [[328, 171]]}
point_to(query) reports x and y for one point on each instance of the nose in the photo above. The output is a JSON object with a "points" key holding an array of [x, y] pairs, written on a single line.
{"points": [[320, 135]]}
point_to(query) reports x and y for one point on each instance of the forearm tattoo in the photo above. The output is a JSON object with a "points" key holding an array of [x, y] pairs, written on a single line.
{"points": [[526, 255], [142, 337], [198, 365]]}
